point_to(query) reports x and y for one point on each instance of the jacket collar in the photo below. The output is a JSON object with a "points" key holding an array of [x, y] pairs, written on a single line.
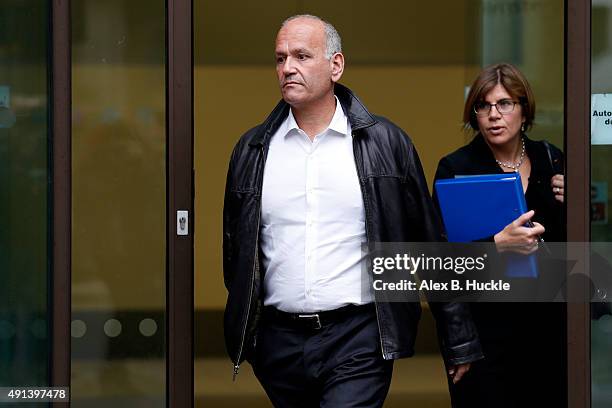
{"points": [[359, 117]]}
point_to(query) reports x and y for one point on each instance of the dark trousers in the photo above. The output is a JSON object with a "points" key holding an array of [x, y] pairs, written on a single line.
{"points": [[338, 365], [525, 353]]}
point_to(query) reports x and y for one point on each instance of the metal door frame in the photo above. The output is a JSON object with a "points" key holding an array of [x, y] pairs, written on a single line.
{"points": [[180, 193], [578, 175], [179, 190]]}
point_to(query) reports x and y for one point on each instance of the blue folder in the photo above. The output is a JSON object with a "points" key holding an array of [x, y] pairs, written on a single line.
{"points": [[477, 207]]}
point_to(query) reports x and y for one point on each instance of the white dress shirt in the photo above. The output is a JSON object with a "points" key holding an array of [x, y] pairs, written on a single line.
{"points": [[312, 220]]}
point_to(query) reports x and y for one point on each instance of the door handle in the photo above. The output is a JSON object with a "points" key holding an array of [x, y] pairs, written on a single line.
{"points": [[182, 222]]}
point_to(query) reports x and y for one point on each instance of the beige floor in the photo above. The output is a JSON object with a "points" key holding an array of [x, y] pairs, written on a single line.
{"points": [[417, 382]]}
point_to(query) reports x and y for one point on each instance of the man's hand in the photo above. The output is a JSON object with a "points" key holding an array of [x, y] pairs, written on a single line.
{"points": [[557, 182], [456, 372]]}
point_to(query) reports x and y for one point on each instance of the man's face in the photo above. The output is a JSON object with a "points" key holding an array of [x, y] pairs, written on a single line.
{"points": [[304, 74]]}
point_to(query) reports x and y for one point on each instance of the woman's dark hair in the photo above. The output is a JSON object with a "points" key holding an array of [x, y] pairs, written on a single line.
{"points": [[515, 83]]}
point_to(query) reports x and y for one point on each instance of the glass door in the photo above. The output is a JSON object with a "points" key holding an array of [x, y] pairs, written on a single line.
{"points": [[25, 225], [401, 67], [601, 181], [118, 350], [96, 198]]}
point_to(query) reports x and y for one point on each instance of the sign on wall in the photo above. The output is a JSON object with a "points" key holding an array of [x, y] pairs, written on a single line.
{"points": [[601, 119]]}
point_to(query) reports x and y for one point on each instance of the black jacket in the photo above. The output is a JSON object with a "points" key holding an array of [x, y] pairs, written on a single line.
{"points": [[398, 208]]}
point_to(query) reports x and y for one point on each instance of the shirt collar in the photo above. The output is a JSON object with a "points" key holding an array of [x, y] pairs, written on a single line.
{"points": [[338, 123]]}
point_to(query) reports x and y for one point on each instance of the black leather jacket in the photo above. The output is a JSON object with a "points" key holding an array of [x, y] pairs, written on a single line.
{"points": [[398, 208]]}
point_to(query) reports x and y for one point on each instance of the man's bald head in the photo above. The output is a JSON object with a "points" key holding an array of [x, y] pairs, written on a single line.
{"points": [[333, 43]]}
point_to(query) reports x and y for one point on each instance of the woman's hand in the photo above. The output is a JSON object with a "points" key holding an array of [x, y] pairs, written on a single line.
{"points": [[557, 182], [515, 236]]}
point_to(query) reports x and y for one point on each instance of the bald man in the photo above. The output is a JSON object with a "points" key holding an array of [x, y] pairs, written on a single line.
{"points": [[319, 177]]}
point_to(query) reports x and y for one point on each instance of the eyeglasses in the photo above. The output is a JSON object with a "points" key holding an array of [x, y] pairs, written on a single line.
{"points": [[505, 106]]}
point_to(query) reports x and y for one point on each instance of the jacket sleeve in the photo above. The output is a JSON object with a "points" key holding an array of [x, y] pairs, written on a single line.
{"points": [[444, 171], [227, 216], [456, 330]]}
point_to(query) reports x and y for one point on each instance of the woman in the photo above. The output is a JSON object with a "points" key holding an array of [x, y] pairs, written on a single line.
{"points": [[523, 343]]}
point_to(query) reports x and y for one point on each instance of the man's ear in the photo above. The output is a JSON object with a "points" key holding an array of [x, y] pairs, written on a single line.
{"points": [[337, 63]]}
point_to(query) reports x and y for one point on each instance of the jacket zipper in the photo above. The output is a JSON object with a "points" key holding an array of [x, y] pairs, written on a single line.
{"points": [[365, 207], [255, 268]]}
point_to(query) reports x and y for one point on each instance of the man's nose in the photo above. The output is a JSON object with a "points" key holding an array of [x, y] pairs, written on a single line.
{"points": [[288, 66]]}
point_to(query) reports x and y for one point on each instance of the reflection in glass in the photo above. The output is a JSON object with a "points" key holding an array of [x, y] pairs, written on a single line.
{"points": [[529, 35], [119, 202], [24, 193]]}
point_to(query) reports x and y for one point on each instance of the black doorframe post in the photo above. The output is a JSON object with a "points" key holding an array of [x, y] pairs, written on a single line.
{"points": [[578, 188], [179, 110], [61, 221]]}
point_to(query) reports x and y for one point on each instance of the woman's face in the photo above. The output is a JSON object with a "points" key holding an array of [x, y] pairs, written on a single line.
{"points": [[496, 128]]}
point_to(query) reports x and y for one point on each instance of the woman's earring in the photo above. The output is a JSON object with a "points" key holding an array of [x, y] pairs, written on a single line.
{"points": [[523, 127]]}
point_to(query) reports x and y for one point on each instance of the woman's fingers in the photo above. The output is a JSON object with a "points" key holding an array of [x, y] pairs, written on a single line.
{"points": [[557, 183], [538, 229], [523, 219]]}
